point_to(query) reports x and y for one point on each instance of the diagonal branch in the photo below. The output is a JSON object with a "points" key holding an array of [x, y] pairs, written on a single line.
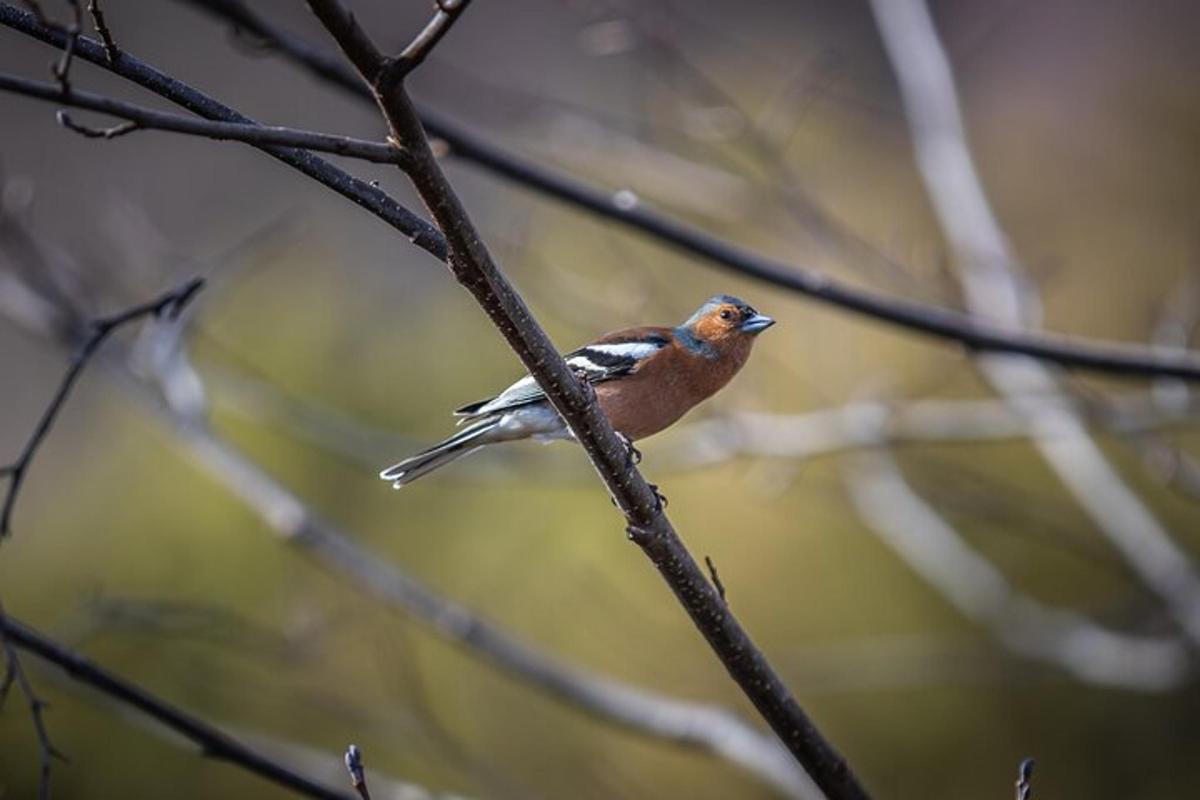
{"points": [[995, 284], [448, 11], [973, 333], [933, 549], [213, 742], [142, 118], [15, 674], [648, 526], [170, 304], [359, 192], [707, 728]]}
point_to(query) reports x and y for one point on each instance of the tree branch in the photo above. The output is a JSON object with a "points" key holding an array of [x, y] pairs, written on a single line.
{"points": [[106, 38], [448, 11], [705, 727], [359, 192], [649, 527], [995, 283], [15, 673], [213, 742], [170, 304], [970, 332], [142, 118]]}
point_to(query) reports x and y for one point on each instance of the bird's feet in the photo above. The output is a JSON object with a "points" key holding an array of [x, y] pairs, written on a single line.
{"points": [[585, 384], [633, 456]]}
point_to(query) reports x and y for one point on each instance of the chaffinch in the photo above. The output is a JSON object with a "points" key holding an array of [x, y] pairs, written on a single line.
{"points": [[644, 378]]}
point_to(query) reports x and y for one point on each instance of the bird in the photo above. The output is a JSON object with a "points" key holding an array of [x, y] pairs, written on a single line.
{"points": [[644, 378]]}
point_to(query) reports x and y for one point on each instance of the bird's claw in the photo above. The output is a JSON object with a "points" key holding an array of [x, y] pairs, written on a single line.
{"points": [[633, 456]]}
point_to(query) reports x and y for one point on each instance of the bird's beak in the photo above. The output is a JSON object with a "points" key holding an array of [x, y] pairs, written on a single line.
{"points": [[757, 324]]}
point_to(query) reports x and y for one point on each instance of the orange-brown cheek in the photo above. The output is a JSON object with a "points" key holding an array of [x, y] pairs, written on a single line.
{"points": [[710, 329]]}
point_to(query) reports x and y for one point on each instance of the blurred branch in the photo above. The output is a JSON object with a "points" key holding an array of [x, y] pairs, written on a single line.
{"points": [[169, 304], [937, 553], [358, 775], [640, 503], [1025, 779], [213, 742], [995, 285], [14, 673], [971, 332], [705, 727], [871, 424], [142, 118]]}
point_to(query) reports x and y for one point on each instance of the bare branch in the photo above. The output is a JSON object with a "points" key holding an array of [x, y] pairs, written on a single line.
{"points": [[641, 504], [995, 285], [15, 674], [1025, 779], [871, 424], [142, 118], [213, 742], [62, 69], [705, 727], [358, 775], [448, 11], [101, 25], [89, 132], [169, 304], [716, 579], [933, 549], [971, 332], [354, 41], [360, 192]]}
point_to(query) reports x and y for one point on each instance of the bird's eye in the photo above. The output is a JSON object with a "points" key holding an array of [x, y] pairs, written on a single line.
{"points": [[727, 314]]}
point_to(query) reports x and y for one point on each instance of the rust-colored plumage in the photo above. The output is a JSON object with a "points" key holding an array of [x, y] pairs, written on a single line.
{"points": [[645, 379]]}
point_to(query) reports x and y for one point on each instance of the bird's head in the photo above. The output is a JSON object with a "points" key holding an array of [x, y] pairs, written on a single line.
{"points": [[724, 320]]}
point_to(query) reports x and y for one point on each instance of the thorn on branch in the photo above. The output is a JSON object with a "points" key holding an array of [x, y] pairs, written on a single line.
{"points": [[1025, 779], [358, 775], [637, 534], [111, 51], [716, 579], [112, 132]]}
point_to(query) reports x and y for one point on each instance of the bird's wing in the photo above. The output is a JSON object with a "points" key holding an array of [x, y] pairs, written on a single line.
{"points": [[611, 356]]}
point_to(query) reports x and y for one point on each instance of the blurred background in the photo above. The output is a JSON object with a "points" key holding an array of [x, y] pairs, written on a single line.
{"points": [[920, 573]]}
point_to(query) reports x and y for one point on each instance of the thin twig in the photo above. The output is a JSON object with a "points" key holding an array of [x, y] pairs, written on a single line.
{"points": [[15, 674], [62, 69], [101, 25], [707, 728], [1025, 779], [89, 132], [973, 333], [213, 742], [995, 283], [448, 11], [142, 118], [938, 553], [360, 192], [358, 775], [473, 267], [170, 304], [716, 579]]}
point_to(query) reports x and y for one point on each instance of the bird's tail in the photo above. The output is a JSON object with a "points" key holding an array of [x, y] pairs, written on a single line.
{"points": [[466, 441]]}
